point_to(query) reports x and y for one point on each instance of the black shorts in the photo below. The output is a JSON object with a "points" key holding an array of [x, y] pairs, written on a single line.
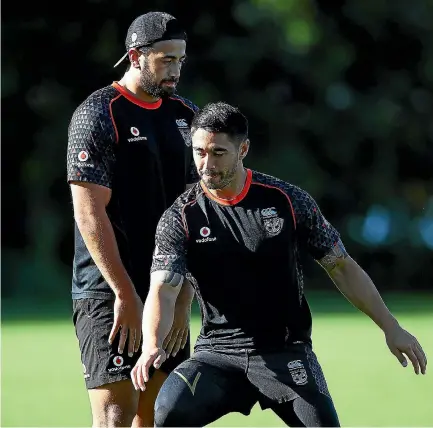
{"points": [[102, 364], [221, 383]]}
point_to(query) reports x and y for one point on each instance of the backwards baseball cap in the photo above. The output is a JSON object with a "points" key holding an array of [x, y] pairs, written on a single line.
{"points": [[150, 28]]}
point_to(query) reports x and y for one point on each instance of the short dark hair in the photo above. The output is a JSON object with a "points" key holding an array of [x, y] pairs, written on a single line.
{"points": [[224, 118]]}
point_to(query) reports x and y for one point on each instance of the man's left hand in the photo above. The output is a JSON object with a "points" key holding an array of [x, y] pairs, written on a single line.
{"points": [[401, 342]]}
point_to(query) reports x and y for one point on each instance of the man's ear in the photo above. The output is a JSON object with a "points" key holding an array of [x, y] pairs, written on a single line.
{"points": [[134, 58], [245, 146]]}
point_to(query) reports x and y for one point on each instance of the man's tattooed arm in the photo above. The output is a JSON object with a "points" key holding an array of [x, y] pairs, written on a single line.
{"points": [[336, 257], [167, 277]]}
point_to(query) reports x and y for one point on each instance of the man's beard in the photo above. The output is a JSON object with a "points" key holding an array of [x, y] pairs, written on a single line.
{"points": [[226, 177], [156, 90]]}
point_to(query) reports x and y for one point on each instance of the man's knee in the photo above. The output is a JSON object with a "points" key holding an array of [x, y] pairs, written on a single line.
{"points": [[114, 404], [189, 397], [113, 415], [146, 405], [161, 415], [319, 411], [168, 413]]}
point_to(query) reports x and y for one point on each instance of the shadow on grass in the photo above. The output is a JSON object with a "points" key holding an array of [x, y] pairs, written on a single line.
{"points": [[321, 302]]}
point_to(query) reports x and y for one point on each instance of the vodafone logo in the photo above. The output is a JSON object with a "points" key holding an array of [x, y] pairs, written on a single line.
{"points": [[136, 135], [205, 232], [118, 361], [83, 156]]}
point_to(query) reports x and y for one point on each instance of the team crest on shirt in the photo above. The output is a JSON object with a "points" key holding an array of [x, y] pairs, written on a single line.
{"points": [[297, 370], [183, 127], [273, 224]]}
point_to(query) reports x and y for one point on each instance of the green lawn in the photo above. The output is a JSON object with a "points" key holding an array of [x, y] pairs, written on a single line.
{"points": [[42, 382]]}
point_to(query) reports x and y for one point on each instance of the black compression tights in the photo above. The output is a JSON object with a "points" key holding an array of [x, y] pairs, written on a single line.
{"points": [[300, 413]]}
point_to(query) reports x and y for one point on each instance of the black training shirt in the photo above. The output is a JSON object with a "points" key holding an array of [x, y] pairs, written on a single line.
{"points": [[245, 255], [142, 152]]}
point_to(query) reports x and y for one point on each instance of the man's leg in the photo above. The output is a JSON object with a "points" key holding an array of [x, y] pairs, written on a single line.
{"points": [[197, 393], [292, 384], [113, 399], [318, 411], [122, 406], [114, 404], [146, 405]]}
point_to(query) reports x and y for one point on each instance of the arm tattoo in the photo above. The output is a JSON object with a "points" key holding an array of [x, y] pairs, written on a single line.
{"points": [[168, 277], [334, 257]]}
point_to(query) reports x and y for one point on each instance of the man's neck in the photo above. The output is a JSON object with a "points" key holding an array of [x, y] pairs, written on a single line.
{"points": [[234, 188], [130, 84]]}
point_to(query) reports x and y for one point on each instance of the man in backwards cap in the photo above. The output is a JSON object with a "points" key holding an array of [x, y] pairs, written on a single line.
{"points": [[128, 158]]}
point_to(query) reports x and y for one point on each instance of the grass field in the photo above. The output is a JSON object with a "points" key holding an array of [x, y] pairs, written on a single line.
{"points": [[42, 382]]}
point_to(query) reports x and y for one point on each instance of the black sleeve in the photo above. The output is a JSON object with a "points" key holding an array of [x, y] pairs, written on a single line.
{"points": [[319, 235], [170, 243], [91, 141]]}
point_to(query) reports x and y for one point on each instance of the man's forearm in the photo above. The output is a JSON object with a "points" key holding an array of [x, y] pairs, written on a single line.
{"points": [[186, 293], [158, 315], [98, 235], [360, 290]]}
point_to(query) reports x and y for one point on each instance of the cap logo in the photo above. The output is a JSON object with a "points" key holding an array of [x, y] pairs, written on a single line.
{"points": [[134, 37]]}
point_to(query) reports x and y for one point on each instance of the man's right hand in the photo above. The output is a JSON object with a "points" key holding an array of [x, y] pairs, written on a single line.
{"points": [[128, 313], [140, 373]]}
